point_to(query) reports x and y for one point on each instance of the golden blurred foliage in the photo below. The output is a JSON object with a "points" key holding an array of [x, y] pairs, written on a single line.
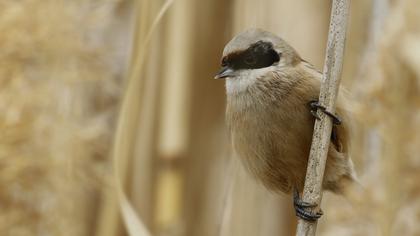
{"points": [[99, 96]]}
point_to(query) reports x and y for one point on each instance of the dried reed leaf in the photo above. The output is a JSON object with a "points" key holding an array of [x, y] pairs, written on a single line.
{"points": [[127, 120]]}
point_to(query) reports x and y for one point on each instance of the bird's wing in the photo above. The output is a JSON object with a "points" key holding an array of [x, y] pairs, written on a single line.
{"points": [[340, 135]]}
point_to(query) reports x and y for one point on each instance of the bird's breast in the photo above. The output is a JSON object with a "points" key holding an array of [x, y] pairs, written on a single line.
{"points": [[271, 134]]}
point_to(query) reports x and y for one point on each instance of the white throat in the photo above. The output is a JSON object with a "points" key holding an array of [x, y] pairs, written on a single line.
{"points": [[244, 80]]}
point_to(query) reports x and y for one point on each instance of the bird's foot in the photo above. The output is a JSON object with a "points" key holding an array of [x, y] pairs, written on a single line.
{"points": [[302, 211], [314, 104]]}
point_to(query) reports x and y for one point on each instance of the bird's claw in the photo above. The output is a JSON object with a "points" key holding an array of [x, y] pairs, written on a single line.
{"points": [[314, 104], [302, 211]]}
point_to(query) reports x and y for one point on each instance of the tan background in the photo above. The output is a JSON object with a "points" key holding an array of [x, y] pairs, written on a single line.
{"points": [[74, 72]]}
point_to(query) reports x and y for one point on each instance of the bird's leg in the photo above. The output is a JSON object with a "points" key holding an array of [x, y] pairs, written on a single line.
{"points": [[314, 104], [301, 208]]}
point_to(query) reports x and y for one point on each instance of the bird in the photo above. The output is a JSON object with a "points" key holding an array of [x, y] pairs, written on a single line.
{"points": [[272, 102]]}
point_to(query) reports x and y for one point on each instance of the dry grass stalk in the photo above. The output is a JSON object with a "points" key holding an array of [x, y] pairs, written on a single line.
{"points": [[388, 96], [126, 132], [312, 192]]}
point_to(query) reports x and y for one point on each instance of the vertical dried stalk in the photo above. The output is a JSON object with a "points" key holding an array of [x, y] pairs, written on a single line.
{"points": [[129, 115], [125, 136], [322, 132]]}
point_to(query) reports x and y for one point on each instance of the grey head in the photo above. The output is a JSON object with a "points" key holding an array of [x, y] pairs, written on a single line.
{"points": [[256, 49]]}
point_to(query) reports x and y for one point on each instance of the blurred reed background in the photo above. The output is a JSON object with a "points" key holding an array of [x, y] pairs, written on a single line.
{"points": [[102, 94]]}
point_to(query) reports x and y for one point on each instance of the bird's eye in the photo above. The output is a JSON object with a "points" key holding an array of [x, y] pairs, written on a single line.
{"points": [[224, 62], [250, 60]]}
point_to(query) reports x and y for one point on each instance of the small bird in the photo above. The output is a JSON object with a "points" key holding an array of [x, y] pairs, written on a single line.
{"points": [[271, 109]]}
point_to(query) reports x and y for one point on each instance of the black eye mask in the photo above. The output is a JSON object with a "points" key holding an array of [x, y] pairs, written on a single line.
{"points": [[259, 55]]}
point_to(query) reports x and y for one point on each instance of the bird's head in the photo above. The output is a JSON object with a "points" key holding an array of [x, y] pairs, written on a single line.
{"points": [[254, 53]]}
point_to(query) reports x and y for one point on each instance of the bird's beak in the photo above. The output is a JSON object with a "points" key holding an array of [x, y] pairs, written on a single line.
{"points": [[225, 72]]}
